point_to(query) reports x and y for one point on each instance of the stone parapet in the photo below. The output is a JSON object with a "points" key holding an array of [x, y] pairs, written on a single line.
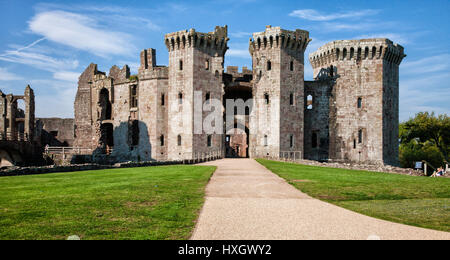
{"points": [[358, 50], [275, 37]]}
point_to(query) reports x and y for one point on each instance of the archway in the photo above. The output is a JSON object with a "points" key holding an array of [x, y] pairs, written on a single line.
{"points": [[107, 137], [237, 137], [105, 105]]}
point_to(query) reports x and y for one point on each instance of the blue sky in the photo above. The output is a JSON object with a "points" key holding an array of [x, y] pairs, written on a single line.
{"points": [[48, 44]]}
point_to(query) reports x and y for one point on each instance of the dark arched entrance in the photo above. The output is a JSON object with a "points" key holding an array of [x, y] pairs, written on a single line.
{"points": [[107, 137], [237, 136]]}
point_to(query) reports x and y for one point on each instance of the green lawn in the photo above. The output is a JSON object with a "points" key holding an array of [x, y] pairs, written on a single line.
{"points": [[418, 201], [133, 203]]}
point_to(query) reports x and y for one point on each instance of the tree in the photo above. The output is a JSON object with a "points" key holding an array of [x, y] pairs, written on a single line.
{"points": [[425, 137]]}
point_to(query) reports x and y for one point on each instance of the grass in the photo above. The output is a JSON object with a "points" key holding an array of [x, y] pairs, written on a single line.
{"points": [[154, 203], [417, 201]]}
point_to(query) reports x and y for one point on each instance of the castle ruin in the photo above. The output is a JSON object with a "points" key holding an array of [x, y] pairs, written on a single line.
{"points": [[349, 113]]}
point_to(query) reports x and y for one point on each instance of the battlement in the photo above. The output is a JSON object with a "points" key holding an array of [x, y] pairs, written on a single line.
{"points": [[216, 40], [380, 48], [275, 37]]}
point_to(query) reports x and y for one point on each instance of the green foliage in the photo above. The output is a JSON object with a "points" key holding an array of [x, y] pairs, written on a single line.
{"points": [[425, 137], [412, 200], [133, 78]]}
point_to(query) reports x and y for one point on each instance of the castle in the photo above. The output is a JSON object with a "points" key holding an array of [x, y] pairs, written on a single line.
{"points": [[349, 113]]}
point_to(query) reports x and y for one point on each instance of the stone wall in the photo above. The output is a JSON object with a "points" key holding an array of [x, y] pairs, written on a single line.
{"points": [[278, 72], [359, 125], [56, 131], [317, 119]]}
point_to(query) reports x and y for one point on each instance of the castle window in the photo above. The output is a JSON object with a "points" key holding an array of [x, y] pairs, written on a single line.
{"points": [[374, 51], [366, 53], [135, 133], [344, 54], [235, 110], [291, 141], [309, 102], [352, 53], [208, 97], [269, 65], [179, 140], [360, 136], [181, 65], [291, 99], [266, 98], [314, 140], [217, 74], [266, 141], [180, 98], [163, 99], [161, 140], [209, 141], [291, 66], [359, 102], [247, 110], [354, 143], [134, 96], [207, 65]]}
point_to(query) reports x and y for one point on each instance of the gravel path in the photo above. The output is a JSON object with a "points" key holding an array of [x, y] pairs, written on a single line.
{"points": [[245, 201]]}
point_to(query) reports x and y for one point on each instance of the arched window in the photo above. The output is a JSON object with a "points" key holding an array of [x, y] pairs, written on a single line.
{"points": [[309, 102], [180, 98], [267, 98], [135, 133], [291, 99], [344, 54], [366, 53], [291, 66], [207, 65], [208, 97], [134, 96], [181, 65], [209, 141], [374, 51], [360, 136], [266, 141], [163, 99], [359, 102], [269, 65], [217, 74], [314, 140], [161, 140], [352, 53], [179, 140]]}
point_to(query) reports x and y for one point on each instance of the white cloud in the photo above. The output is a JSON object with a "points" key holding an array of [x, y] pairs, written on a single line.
{"points": [[314, 15], [67, 76], [37, 60], [432, 64], [5, 75], [239, 53], [240, 34], [80, 32]]}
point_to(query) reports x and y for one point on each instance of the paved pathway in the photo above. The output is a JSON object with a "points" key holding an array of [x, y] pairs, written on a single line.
{"points": [[246, 201]]}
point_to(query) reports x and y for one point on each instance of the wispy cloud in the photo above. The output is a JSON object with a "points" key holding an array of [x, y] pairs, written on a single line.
{"points": [[314, 15], [80, 32], [5, 75], [240, 34], [68, 76], [239, 53], [38, 60]]}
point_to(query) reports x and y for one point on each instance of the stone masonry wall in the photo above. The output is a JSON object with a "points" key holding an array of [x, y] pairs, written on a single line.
{"points": [[357, 116]]}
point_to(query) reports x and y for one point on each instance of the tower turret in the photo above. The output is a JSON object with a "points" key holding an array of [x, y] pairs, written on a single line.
{"points": [[364, 105], [278, 80]]}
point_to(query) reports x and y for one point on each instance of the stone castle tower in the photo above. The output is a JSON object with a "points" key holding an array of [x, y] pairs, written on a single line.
{"points": [[278, 73], [364, 98], [195, 72], [348, 113]]}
